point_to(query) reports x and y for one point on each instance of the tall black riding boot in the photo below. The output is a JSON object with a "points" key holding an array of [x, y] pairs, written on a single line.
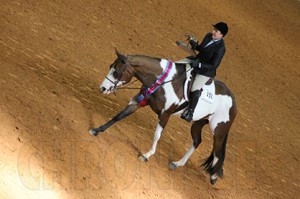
{"points": [[189, 112]]}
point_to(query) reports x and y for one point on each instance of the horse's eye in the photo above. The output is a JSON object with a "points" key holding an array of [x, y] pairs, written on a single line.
{"points": [[116, 74]]}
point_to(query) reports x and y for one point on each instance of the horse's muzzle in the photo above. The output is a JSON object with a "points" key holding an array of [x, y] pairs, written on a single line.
{"points": [[107, 91], [102, 89]]}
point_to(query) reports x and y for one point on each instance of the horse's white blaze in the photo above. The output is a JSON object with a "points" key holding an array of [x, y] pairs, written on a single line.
{"points": [[109, 84]]}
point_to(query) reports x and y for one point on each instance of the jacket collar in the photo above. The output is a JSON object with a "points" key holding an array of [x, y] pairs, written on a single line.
{"points": [[213, 44]]}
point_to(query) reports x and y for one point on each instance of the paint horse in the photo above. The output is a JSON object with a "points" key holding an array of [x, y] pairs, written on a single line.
{"points": [[165, 89]]}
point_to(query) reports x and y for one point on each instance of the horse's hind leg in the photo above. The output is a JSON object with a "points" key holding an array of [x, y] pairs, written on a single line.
{"points": [[196, 132], [214, 163]]}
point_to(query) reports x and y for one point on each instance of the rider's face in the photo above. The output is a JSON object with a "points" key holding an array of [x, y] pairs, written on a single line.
{"points": [[216, 34]]}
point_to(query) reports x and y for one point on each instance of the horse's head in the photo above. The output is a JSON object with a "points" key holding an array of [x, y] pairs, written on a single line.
{"points": [[119, 74]]}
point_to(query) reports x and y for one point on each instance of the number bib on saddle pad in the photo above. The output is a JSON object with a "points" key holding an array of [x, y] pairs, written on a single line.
{"points": [[208, 93]]}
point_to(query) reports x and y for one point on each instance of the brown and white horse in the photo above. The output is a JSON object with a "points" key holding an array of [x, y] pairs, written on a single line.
{"points": [[165, 88]]}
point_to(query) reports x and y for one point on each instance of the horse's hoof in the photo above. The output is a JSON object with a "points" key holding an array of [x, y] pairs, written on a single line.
{"points": [[213, 180], [93, 132], [143, 158], [172, 166]]}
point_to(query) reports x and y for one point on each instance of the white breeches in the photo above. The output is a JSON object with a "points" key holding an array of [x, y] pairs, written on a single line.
{"points": [[199, 82]]}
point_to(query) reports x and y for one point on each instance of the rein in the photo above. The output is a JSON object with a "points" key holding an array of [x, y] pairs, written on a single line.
{"points": [[119, 74], [126, 87], [136, 88], [177, 76]]}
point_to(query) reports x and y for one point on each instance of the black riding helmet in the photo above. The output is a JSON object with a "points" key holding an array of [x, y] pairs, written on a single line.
{"points": [[222, 27]]}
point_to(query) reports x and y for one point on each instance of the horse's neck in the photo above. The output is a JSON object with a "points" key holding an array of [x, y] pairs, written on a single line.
{"points": [[146, 69], [179, 80]]}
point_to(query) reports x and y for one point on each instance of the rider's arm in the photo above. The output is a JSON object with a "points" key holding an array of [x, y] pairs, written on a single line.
{"points": [[195, 44], [215, 61]]}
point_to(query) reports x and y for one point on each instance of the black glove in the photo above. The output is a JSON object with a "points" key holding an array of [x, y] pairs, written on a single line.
{"points": [[196, 64]]}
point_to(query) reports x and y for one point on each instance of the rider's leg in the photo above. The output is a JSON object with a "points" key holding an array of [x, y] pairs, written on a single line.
{"points": [[199, 82]]}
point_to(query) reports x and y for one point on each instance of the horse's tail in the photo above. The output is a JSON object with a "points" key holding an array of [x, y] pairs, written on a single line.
{"points": [[218, 167]]}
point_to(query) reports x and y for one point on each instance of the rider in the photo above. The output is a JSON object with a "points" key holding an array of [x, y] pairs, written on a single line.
{"points": [[211, 51]]}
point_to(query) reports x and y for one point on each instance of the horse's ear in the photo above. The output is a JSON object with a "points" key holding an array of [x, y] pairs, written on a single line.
{"points": [[120, 56], [117, 52]]}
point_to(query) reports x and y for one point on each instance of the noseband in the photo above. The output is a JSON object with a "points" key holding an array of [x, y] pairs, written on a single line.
{"points": [[120, 74]]}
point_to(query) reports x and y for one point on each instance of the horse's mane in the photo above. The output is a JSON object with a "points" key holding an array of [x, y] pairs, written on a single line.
{"points": [[136, 58]]}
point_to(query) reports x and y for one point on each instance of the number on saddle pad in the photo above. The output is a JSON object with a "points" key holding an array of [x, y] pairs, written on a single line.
{"points": [[208, 95]]}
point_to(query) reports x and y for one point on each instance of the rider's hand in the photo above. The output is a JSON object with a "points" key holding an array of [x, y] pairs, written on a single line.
{"points": [[191, 38], [196, 64]]}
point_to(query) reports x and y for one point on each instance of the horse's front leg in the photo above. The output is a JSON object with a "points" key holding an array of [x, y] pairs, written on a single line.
{"points": [[130, 108], [163, 120], [196, 132]]}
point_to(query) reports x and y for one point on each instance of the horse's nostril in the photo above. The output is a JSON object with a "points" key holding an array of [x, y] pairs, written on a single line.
{"points": [[103, 89]]}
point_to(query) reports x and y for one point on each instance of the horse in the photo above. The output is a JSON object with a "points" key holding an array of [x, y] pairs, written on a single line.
{"points": [[165, 87]]}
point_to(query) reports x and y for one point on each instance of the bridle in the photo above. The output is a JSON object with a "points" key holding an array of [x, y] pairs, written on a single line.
{"points": [[120, 73]]}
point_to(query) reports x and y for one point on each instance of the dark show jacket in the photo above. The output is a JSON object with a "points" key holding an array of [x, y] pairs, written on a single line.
{"points": [[210, 57]]}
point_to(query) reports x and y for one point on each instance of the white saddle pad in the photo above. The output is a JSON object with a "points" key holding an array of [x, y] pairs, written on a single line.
{"points": [[208, 93]]}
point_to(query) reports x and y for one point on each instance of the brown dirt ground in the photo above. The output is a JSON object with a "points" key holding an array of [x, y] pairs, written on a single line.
{"points": [[54, 54]]}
